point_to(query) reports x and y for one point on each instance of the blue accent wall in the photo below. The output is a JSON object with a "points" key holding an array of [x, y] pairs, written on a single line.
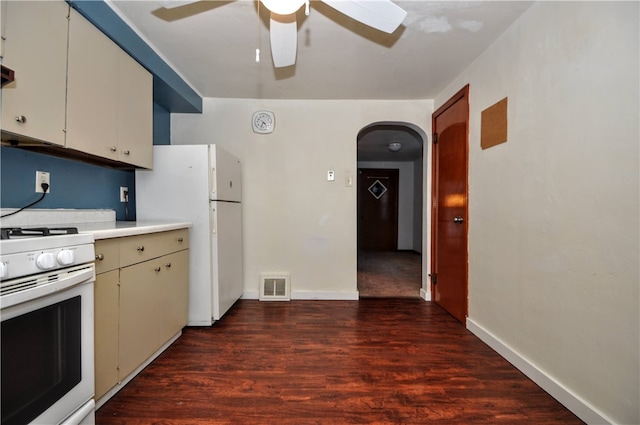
{"points": [[161, 125], [73, 184]]}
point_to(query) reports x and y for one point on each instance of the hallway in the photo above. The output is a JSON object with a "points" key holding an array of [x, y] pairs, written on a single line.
{"points": [[389, 274]]}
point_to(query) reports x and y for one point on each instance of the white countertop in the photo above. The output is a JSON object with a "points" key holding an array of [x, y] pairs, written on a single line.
{"points": [[118, 229], [100, 223]]}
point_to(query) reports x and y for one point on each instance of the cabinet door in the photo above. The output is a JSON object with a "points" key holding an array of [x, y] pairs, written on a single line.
{"points": [[35, 47], [92, 94], [136, 249], [140, 309], [107, 255], [106, 331], [174, 294], [135, 113]]}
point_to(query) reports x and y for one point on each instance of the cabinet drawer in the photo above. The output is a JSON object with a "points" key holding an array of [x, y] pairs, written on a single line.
{"points": [[107, 255], [135, 249]]}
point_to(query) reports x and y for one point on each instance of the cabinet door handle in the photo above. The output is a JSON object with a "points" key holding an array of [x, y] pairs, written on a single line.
{"points": [[140, 248], [100, 257], [127, 152], [168, 265], [180, 239], [157, 269], [21, 119], [113, 149]]}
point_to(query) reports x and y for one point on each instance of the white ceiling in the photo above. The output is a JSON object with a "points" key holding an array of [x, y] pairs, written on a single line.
{"points": [[212, 44]]}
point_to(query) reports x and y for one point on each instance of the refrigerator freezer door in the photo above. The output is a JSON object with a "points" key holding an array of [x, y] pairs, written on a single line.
{"points": [[225, 176], [226, 247]]}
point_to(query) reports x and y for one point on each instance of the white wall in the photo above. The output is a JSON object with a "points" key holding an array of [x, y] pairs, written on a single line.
{"points": [[296, 221], [418, 202], [553, 213], [405, 198]]}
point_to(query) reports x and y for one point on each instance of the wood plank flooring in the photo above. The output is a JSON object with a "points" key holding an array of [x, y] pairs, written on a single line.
{"points": [[373, 361]]}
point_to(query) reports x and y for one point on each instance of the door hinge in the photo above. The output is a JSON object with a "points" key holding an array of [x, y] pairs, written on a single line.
{"points": [[434, 278], [435, 138]]}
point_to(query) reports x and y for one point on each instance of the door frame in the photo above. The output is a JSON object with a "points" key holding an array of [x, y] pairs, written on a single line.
{"points": [[462, 94]]}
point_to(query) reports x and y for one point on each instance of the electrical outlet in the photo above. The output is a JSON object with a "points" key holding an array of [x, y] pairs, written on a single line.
{"points": [[42, 177], [124, 194]]}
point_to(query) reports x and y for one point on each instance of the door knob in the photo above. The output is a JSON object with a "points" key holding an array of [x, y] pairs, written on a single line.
{"points": [[458, 220]]}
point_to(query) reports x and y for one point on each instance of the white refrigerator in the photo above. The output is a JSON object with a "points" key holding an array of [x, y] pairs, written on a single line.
{"points": [[200, 184]]}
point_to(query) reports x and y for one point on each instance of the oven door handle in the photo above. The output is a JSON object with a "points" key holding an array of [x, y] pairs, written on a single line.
{"points": [[29, 288]]}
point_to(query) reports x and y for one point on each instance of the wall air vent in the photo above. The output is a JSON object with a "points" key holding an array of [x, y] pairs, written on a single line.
{"points": [[275, 287]]}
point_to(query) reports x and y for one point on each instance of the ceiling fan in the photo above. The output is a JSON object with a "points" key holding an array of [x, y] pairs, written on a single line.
{"points": [[382, 15]]}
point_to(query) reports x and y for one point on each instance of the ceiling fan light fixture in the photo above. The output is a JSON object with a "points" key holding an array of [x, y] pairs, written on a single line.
{"points": [[395, 146], [283, 7]]}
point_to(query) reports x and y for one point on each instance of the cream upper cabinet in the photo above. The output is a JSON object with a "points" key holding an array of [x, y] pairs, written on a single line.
{"points": [[35, 47], [119, 124], [92, 96], [73, 87], [135, 113]]}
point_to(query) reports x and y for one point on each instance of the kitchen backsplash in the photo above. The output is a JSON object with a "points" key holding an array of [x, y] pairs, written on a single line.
{"points": [[74, 185]]}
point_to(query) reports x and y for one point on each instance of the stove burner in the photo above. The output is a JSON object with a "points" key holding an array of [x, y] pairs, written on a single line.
{"points": [[17, 232]]}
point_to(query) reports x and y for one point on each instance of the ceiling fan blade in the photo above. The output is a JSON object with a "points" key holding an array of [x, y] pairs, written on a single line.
{"points": [[283, 32], [382, 15], [171, 4]]}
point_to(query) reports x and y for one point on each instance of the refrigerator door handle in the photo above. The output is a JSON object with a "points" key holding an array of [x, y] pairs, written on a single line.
{"points": [[213, 218], [213, 183]]}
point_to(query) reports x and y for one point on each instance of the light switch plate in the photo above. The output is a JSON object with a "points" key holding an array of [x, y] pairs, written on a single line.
{"points": [[331, 175]]}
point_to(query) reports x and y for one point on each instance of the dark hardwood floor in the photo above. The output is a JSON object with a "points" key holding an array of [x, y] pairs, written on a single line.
{"points": [[373, 361]]}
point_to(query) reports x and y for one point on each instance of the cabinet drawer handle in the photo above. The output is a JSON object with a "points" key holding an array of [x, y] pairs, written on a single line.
{"points": [[140, 248], [21, 119], [180, 239], [168, 265], [100, 257], [127, 152], [157, 269], [113, 149]]}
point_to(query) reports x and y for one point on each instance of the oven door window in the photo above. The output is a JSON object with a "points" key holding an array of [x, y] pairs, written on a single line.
{"points": [[40, 359]]}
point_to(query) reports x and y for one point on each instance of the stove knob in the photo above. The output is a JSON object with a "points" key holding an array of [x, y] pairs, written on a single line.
{"points": [[4, 270], [45, 261], [66, 257]]}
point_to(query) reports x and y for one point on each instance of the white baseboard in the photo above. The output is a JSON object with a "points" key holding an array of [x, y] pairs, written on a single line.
{"points": [[425, 295], [251, 295], [557, 390], [310, 295]]}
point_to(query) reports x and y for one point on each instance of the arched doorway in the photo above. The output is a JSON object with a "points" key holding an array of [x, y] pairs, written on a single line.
{"points": [[390, 184]]}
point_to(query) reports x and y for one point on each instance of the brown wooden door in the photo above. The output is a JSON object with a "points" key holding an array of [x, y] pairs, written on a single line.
{"points": [[450, 193], [377, 209]]}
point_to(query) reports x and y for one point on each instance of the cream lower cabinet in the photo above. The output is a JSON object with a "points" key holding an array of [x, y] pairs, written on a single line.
{"points": [[153, 305], [106, 331], [141, 296]]}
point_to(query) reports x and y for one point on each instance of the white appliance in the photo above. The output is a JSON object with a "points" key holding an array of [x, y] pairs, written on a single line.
{"points": [[46, 306], [200, 184]]}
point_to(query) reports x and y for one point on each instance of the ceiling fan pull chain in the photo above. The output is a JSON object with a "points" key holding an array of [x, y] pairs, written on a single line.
{"points": [[306, 8]]}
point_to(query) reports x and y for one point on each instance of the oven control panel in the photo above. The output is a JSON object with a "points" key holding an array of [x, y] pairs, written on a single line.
{"points": [[46, 257]]}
